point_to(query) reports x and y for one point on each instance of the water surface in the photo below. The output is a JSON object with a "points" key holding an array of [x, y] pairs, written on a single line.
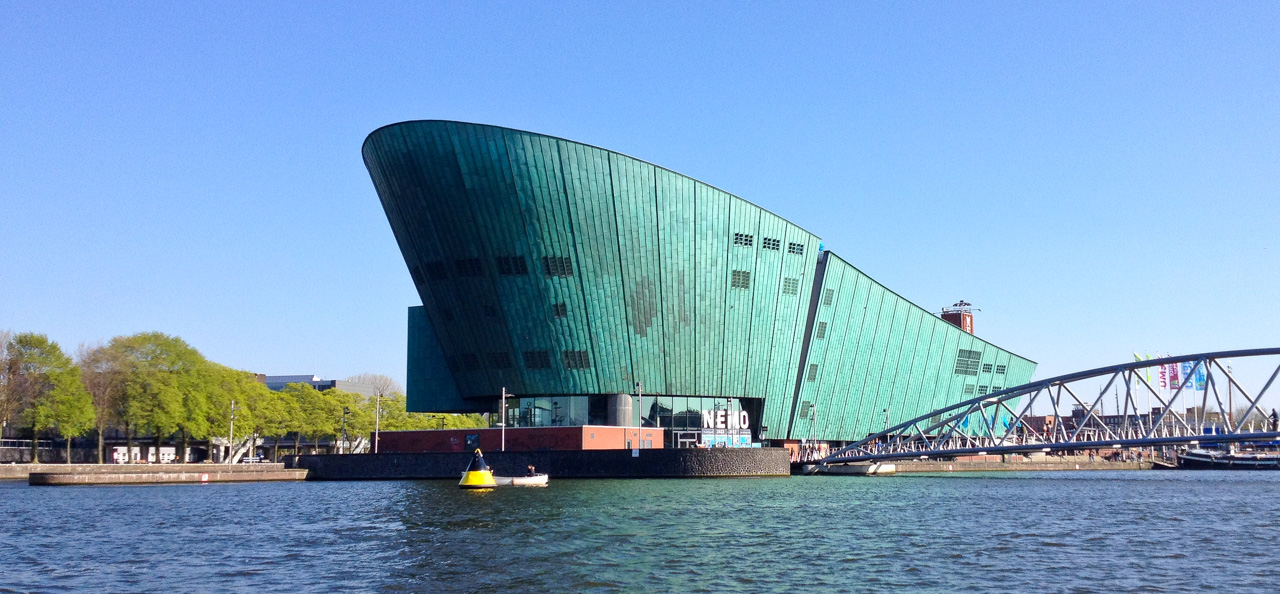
{"points": [[1176, 531]]}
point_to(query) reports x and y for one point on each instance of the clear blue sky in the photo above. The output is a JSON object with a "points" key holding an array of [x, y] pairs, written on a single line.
{"points": [[1098, 178]]}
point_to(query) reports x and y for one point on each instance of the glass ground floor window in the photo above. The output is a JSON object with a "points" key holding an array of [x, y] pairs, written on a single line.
{"points": [[724, 417]]}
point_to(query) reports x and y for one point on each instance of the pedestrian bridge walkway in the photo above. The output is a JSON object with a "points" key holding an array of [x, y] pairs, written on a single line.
{"points": [[1217, 409]]}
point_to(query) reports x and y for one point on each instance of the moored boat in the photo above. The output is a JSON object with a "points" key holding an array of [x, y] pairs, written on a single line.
{"points": [[536, 480], [1207, 460]]}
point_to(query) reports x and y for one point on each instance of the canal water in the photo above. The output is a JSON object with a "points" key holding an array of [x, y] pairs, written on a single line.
{"points": [[1174, 531]]}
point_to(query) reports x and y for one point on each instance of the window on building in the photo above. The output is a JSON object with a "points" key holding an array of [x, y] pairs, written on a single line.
{"points": [[500, 360], [770, 243], [790, 286], [996, 388], [983, 390], [557, 266], [490, 310], [828, 296], [968, 390], [537, 360], [471, 361], [813, 373], [795, 248], [743, 239], [822, 330], [967, 362], [1000, 369], [437, 270], [986, 368], [468, 267], [559, 310], [577, 360], [512, 266], [741, 279]]}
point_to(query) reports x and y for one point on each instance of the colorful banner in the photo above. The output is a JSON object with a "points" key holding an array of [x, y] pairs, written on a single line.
{"points": [[1173, 376], [1188, 370]]}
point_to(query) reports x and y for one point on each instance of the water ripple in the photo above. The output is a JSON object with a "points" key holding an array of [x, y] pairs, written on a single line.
{"points": [[1062, 532]]}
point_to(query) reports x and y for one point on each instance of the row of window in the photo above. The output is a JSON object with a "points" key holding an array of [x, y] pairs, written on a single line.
{"points": [[507, 266], [768, 243], [554, 265], [532, 360], [967, 362]]}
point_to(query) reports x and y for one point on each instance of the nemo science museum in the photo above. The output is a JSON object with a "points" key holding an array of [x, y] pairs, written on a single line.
{"points": [[598, 289]]}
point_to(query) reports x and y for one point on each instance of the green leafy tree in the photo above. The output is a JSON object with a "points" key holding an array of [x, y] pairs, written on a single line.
{"points": [[321, 412], [297, 400], [104, 369], [47, 386], [268, 414], [382, 388], [226, 386], [357, 411], [9, 408], [166, 385]]}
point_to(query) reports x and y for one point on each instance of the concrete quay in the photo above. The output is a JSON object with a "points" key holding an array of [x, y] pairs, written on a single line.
{"points": [[142, 474]]}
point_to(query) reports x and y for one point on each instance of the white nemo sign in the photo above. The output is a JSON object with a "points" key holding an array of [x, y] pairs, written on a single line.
{"points": [[723, 419]]}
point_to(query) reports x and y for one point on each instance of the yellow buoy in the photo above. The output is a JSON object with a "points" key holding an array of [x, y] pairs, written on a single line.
{"points": [[478, 475]]}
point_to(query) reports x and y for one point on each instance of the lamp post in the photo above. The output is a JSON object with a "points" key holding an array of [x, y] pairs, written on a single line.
{"points": [[502, 418], [639, 399], [343, 446], [231, 432]]}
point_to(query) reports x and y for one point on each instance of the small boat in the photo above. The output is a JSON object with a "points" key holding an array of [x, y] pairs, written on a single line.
{"points": [[536, 480], [1207, 460]]}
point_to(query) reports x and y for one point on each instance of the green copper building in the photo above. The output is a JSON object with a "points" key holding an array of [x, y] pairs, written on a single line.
{"points": [[576, 277]]}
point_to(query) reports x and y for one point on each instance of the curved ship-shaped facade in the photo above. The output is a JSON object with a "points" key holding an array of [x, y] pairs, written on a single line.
{"points": [[570, 275]]}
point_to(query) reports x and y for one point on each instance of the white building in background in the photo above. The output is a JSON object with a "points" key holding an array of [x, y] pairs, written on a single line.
{"points": [[278, 382]]}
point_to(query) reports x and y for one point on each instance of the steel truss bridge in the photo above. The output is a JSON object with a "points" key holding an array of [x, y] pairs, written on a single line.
{"points": [[1000, 422]]}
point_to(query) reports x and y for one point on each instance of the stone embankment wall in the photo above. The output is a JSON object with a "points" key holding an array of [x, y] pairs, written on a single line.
{"points": [[23, 471], [171, 473], [652, 463]]}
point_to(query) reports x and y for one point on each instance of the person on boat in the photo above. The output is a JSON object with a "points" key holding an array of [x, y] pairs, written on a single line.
{"points": [[532, 471], [1275, 420]]}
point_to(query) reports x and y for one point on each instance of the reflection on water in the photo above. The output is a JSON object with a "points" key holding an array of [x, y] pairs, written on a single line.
{"points": [[1080, 531]]}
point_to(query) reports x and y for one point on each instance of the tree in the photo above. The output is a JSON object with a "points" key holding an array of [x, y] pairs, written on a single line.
{"points": [[354, 414], [382, 387], [296, 397], [229, 386], [163, 387], [321, 411], [8, 402], [268, 414], [104, 369], [48, 389]]}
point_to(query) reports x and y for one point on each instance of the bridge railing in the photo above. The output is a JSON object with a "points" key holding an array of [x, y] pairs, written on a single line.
{"points": [[999, 421]]}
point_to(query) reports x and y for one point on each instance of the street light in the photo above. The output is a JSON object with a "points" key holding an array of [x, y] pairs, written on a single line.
{"points": [[343, 446], [231, 432], [377, 420]]}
